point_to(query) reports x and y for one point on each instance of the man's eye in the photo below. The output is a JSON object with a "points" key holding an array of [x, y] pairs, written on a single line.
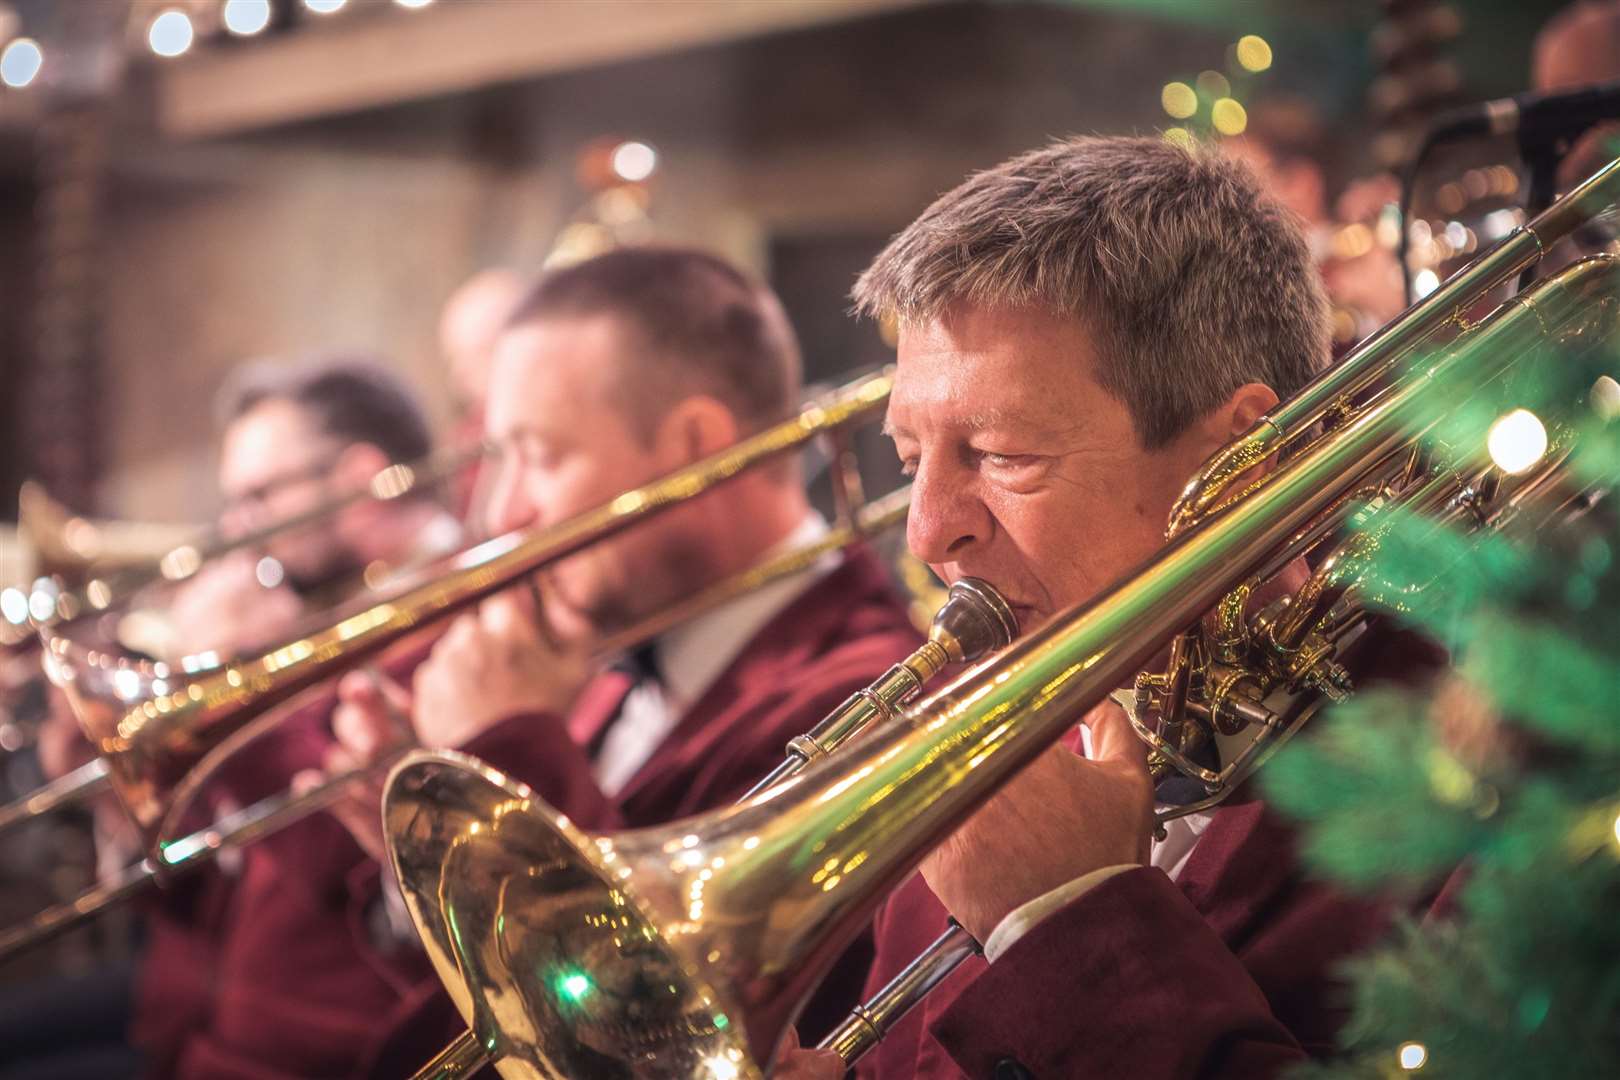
{"points": [[908, 467], [1005, 461]]}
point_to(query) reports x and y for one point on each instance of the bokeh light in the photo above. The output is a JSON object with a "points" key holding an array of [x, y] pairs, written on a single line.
{"points": [[1179, 100], [1517, 441], [1424, 282], [1253, 53], [634, 161], [324, 7], [20, 63], [1180, 136], [1229, 117], [246, 17], [1213, 84], [171, 33], [1412, 1055], [413, 4]]}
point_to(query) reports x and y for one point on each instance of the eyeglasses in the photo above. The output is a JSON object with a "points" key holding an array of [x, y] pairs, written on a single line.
{"points": [[261, 493]]}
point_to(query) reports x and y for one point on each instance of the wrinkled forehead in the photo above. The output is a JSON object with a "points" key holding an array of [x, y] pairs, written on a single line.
{"points": [[988, 369]]}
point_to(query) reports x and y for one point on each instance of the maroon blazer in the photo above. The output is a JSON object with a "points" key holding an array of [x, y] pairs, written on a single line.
{"points": [[836, 638], [244, 973], [1229, 972], [284, 978]]}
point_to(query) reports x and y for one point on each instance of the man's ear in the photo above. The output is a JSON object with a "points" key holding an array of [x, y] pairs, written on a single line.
{"points": [[695, 428], [1246, 404]]}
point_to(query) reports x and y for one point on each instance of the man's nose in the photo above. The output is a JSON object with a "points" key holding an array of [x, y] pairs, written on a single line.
{"points": [[946, 519]]}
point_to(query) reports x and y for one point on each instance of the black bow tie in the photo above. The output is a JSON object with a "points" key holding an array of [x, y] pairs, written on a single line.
{"points": [[640, 664]]}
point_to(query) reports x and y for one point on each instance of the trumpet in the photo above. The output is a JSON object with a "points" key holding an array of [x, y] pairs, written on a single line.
{"points": [[158, 735], [685, 950]]}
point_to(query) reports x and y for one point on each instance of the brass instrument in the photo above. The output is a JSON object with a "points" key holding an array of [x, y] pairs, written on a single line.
{"points": [[112, 561], [685, 950], [157, 732]]}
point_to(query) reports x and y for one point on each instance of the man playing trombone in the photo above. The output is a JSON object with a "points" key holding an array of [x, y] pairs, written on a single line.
{"points": [[1079, 329], [610, 374]]}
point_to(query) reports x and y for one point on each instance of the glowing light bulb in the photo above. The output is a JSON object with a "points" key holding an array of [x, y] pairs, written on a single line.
{"points": [[1179, 100], [171, 33], [246, 17], [634, 161], [1253, 53], [1517, 441], [1412, 1055], [20, 63], [1229, 117]]}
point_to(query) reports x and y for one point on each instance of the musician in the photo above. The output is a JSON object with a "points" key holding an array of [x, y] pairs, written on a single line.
{"points": [[470, 323], [1079, 328], [295, 436], [611, 373]]}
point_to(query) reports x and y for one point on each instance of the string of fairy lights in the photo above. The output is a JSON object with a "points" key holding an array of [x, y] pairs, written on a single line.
{"points": [[168, 29]]}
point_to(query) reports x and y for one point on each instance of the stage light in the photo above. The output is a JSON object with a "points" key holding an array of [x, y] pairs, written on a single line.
{"points": [[1424, 282], [1517, 441], [20, 63], [634, 161], [324, 7], [246, 17], [1181, 137], [413, 4], [1179, 100], [1253, 53], [171, 33], [1229, 117]]}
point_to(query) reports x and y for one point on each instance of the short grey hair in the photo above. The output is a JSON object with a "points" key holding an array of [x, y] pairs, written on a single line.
{"points": [[1192, 279]]}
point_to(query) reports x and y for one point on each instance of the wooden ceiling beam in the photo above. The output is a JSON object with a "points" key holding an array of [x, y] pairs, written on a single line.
{"points": [[394, 56]]}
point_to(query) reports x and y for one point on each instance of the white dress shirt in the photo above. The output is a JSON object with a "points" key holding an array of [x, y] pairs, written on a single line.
{"points": [[692, 655]]}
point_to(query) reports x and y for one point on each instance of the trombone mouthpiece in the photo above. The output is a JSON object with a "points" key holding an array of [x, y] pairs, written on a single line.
{"points": [[974, 620]]}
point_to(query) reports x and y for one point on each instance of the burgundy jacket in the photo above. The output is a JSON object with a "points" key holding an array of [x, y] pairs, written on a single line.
{"points": [[244, 961], [1229, 972], [302, 987], [833, 640]]}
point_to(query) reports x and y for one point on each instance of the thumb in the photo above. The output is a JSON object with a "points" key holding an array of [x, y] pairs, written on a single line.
{"points": [[392, 696], [1112, 736]]}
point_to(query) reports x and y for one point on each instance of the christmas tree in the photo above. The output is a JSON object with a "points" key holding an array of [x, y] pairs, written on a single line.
{"points": [[1508, 767]]}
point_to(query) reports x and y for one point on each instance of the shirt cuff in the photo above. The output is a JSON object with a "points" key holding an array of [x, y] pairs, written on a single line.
{"points": [[1020, 920]]}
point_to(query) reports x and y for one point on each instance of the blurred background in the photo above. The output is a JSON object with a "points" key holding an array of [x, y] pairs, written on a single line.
{"points": [[188, 184]]}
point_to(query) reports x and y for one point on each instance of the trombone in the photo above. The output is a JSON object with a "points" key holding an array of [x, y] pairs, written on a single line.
{"points": [[157, 740], [82, 546], [685, 950]]}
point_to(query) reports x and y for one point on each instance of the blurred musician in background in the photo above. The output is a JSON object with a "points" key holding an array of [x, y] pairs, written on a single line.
{"points": [[1284, 143], [470, 323], [1579, 46], [293, 437], [1079, 328]]}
